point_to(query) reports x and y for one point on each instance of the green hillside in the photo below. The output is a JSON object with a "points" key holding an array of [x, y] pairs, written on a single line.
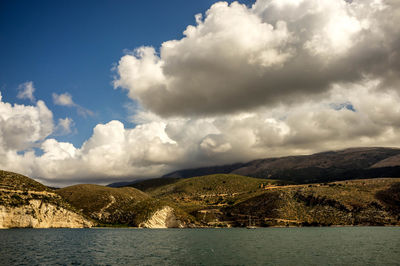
{"points": [[115, 206], [14, 181], [220, 200], [218, 183], [229, 200], [151, 184], [357, 202], [212, 190]]}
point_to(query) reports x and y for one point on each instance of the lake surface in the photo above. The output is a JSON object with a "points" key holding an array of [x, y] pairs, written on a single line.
{"points": [[263, 246]]}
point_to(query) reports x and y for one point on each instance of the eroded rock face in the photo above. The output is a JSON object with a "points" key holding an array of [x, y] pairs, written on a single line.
{"points": [[163, 218], [39, 214]]}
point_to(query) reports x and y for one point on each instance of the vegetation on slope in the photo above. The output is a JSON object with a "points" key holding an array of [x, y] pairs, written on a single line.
{"points": [[391, 198], [209, 191], [93, 198], [151, 184], [14, 181], [357, 202], [114, 206], [17, 190], [229, 200], [221, 200]]}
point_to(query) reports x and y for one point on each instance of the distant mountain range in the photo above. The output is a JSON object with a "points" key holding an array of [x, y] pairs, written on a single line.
{"points": [[353, 163]]}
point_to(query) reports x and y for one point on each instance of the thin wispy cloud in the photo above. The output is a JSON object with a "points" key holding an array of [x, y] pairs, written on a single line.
{"points": [[65, 126], [65, 99], [26, 90]]}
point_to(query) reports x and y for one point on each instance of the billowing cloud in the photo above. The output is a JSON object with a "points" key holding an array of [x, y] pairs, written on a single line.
{"points": [[21, 129], [348, 116], [65, 99], [21, 126], [239, 58], [26, 90], [160, 145]]}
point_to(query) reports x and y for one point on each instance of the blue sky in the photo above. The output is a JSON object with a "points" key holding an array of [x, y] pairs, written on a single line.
{"points": [[71, 46]]}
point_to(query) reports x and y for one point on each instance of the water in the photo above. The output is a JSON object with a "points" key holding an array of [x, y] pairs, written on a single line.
{"points": [[263, 246]]}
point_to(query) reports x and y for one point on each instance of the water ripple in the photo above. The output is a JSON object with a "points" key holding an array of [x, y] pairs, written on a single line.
{"points": [[267, 246]]}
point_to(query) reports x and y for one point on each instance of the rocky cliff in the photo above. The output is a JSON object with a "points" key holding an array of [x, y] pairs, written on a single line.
{"points": [[27, 203], [163, 218], [38, 214], [121, 206]]}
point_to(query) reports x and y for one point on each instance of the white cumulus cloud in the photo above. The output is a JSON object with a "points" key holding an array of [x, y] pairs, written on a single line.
{"points": [[349, 115], [238, 58], [21, 126]]}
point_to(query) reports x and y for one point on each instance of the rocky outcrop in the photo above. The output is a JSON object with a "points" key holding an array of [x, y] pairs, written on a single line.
{"points": [[27, 203], [37, 209], [103, 214], [163, 218], [38, 214]]}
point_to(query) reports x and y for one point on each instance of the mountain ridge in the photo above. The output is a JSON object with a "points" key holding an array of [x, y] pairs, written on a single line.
{"points": [[318, 167]]}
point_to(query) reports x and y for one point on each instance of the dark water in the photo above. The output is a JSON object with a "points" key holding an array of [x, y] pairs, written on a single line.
{"points": [[267, 246]]}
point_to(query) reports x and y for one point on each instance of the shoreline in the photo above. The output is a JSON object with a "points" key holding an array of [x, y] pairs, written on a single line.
{"points": [[201, 227]]}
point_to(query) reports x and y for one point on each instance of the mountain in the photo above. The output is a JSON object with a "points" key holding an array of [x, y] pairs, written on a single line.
{"points": [[353, 163], [229, 200], [356, 202], [122, 184], [125, 206], [203, 171], [27, 203], [149, 184], [203, 201], [205, 191], [393, 161]]}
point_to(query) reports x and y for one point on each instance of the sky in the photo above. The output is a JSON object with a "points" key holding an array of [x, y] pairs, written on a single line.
{"points": [[108, 91]]}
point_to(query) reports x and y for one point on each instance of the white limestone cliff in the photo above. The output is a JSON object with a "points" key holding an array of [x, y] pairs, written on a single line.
{"points": [[39, 214], [163, 218]]}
